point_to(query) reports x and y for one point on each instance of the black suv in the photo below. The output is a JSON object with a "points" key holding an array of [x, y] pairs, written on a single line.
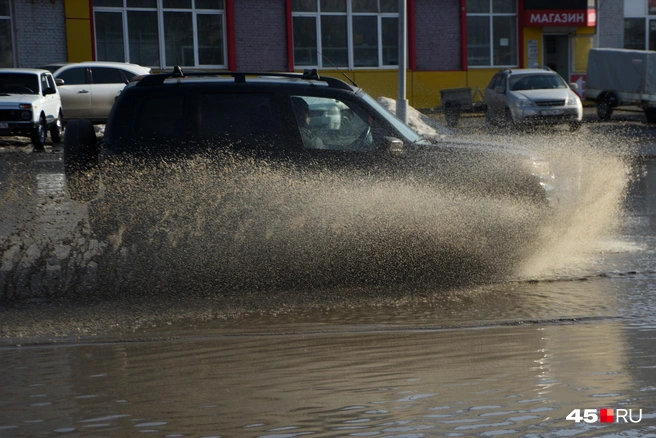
{"points": [[304, 121]]}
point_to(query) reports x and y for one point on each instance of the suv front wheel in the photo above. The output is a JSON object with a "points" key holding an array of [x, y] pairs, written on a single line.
{"points": [[56, 129], [40, 134]]}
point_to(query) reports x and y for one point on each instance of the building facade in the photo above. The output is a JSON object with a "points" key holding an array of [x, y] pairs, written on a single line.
{"points": [[451, 43]]}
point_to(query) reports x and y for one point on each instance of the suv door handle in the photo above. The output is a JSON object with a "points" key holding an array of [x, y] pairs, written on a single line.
{"points": [[82, 91]]}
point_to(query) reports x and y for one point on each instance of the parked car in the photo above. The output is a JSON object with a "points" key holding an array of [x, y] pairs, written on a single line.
{"points": [[532, 96], [30, 105], [89, 89], [169, 117]]}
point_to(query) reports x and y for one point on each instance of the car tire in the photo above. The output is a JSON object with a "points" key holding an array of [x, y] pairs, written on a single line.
{"points": [[452, 114], [56, 129], [507, 120], [650, 113], [489, 118], [80, 159], [39, 135], [604, 109]]}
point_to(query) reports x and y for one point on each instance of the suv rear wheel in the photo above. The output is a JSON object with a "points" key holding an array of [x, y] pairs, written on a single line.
{"points": [[80, 155], [604, 109]]}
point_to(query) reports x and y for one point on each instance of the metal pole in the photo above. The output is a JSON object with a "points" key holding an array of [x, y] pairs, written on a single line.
{"points": [[402, 102]]}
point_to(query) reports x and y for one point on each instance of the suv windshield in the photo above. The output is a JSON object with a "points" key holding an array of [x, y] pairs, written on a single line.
{"points": [[19, 83], [536, 82], [407, 131]]}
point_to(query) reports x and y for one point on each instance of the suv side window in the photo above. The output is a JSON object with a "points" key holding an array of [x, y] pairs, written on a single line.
{"points": [[161, 118], [328, 123], [238, 116], [51, 82], [107, 75], [44, 83], [74, 76]]}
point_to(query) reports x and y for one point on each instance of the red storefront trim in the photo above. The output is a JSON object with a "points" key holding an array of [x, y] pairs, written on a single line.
{"points": [[463, 27], [93, 31], [232, 38], [520, 33], [290, 35], [579, 17], [412, 35]]}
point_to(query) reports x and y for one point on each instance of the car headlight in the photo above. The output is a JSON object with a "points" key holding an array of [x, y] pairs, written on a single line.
{"points": [[525, 103], [572, 101]]}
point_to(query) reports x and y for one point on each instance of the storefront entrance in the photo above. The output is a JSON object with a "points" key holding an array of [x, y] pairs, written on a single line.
{"points": [[556, 54]]}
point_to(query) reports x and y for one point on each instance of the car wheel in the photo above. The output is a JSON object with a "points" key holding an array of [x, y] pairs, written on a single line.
{"points": [[604, 109], [452, 113], [650, 113], [489, 118], [574, 126], [56, 129], [80, 159], [507, 120], [40, 134]]}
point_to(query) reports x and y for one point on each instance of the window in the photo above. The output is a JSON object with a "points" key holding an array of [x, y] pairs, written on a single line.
{"points": [[330, 124], [19, 83], [161, 118], [634, 33], [105, 75], [241, 121], [6, 46], [74, 76], [345, 33], [492, 33], [161, 33], [44, 83]]}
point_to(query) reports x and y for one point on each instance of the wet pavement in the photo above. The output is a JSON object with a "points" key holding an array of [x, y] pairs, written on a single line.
{"points": [[170, 353]]}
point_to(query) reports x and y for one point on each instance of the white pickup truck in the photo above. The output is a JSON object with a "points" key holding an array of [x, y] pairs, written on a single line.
{"points": [[622, 77], [30, 105]]}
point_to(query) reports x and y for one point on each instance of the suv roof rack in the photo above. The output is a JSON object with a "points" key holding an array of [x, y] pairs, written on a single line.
{"points": [[240, 77]]}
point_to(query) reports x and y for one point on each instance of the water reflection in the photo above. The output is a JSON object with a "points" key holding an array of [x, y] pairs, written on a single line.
{"points": [[476, 381]]}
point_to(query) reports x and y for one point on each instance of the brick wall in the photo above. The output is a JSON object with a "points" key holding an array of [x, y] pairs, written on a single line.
{"points": [[261, 34], [610, 25], [40, 32], [438, 35]]}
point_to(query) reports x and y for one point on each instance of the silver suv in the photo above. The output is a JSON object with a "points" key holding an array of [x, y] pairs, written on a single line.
{"points": [[532, 96]]}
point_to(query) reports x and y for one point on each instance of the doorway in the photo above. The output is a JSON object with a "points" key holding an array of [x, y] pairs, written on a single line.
{"points": [[556, 54]]}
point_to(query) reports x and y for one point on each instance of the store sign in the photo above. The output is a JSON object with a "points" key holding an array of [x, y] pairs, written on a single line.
{"points": [[545, 17]]}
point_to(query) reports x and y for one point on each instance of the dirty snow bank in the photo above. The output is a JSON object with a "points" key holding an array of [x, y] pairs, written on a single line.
{"points": [[422, 124]]}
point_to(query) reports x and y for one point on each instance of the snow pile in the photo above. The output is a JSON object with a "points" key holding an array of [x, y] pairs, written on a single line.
{"points": [[422, 124]]}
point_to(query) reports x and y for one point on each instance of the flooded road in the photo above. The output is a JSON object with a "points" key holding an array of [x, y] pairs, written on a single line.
{"points": [[108, 337]]}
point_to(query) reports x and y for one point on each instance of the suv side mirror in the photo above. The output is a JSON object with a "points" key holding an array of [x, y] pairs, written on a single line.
{"points": [[393, 147]]}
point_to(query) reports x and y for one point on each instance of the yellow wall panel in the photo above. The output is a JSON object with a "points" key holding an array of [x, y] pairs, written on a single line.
{"points": [[77, 9], [427, 86], [532, 33], [78, 40]]}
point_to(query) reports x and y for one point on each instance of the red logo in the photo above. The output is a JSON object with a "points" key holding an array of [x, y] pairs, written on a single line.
{"points": [[607, 415]]}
